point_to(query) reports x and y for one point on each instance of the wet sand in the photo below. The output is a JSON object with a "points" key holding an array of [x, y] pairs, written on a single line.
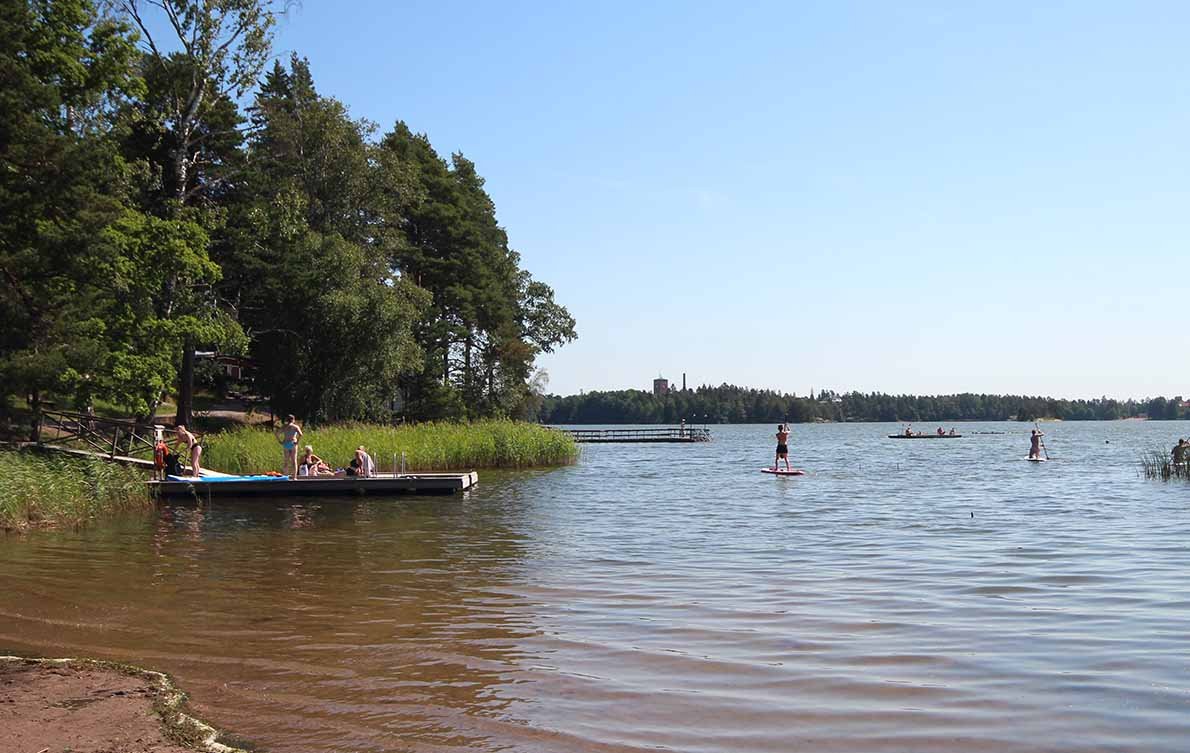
{"points": [[51, 705]]}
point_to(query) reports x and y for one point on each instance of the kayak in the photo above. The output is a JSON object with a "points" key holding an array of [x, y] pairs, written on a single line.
{"points": [[791, 472], [925, 436]]}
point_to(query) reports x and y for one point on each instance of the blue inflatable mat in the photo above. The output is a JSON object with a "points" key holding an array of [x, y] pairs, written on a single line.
{"points": [[225, 479]]}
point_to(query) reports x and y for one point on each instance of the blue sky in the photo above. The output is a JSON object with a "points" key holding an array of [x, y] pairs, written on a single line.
{"points": [[905, 197]]}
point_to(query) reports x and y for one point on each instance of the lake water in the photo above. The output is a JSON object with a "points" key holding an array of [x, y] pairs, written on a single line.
{"points": [[904, 596]]}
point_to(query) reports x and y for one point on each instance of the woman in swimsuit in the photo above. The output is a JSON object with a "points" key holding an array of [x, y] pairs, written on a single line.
{"points": [[288, 436], [184, 437]]}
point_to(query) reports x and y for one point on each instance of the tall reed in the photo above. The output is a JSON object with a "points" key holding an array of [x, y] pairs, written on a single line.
{"points": [[435, 446], [38, 490], [1158, 464]]}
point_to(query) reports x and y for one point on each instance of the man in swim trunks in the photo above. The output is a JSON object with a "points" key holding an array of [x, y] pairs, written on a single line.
{"points": [[782, 446], [1035, 444], [288, 436]]}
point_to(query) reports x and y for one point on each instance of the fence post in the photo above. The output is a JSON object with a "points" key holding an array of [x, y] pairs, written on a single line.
{"points": [[115, 441], [35, 425]]}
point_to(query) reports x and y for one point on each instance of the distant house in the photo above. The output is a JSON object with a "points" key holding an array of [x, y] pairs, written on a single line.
{"points": [[236, 368]]}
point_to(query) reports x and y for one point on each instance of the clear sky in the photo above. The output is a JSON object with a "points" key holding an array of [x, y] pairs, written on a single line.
{"points": [[904, 197]]}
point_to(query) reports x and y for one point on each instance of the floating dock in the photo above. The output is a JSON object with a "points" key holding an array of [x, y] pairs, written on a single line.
{"points": [[678, 434], [280, 487]]}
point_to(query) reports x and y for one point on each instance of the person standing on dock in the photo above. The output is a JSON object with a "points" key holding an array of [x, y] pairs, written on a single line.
{"points": [[782, 446], [288, 436], [185, 437], [1035, 444]]}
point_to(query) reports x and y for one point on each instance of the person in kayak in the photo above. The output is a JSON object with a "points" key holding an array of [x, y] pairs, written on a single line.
{"points": [[782, 445], [1035, 444]]}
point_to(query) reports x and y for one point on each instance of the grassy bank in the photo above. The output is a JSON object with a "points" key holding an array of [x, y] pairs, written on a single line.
{"points": [[1158, 464], [38, 490], [427, 447]]}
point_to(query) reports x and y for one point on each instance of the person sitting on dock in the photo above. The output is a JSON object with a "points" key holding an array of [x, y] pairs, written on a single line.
{"points": [[909, 430], [185, 437], [288, 436], [941, 433], [1035, 444], [953, 433], [313, 465], [782, 445], [367, 467]]}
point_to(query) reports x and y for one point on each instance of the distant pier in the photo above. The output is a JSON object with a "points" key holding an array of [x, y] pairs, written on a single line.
{"points": [[673, 435]]}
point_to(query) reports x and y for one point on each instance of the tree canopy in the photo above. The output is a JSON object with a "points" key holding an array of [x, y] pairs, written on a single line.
{"points": [[145, 215]]}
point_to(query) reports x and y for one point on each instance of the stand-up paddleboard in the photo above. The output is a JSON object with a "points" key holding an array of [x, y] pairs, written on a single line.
{"points": [[791, 472], [1036, 460]]}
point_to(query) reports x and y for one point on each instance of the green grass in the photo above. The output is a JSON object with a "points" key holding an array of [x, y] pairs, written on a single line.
{"points": [[38, 490], [427, 447], [1158, 464]]}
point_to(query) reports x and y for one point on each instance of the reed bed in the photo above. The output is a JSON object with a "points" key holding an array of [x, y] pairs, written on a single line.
{"points": [[427, 447], [1158, 464], [37, 490]]}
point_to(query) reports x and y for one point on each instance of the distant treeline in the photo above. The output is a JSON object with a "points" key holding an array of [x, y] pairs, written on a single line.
{"points": [[731, 404]]}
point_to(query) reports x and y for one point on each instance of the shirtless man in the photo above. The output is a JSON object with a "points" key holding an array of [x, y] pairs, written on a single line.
{"points": [[782, 445], [1179, 451], [1035, 444], [288, 435]]}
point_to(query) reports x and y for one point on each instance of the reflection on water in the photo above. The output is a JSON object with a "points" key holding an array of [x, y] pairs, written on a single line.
{"points": [[926, 596]]}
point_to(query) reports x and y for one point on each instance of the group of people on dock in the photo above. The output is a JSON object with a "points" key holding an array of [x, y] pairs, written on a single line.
{"points": [[187, 444], [167, 463], [312, 466]]}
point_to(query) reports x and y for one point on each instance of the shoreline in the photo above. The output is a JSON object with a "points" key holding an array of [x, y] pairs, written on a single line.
{"points": [[87, 704]]}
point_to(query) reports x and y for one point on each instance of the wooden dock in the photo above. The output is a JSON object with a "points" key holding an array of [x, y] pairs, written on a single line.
{"points": [[679, 435], [88, 454], [385, 485]]}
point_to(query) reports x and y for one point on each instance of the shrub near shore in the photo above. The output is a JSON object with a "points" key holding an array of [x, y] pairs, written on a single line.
{"points": [[427, 447], [37, 490]]}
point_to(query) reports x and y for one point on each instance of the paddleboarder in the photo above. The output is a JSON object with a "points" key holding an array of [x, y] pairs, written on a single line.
{"points": [[782, 446], [1035, 444]]}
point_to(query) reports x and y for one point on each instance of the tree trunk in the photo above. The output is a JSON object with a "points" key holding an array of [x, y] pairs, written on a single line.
{"points": [[186, 386]]}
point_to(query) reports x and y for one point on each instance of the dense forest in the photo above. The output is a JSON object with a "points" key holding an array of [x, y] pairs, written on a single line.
{"points": [[168, 190], [730, 404]]}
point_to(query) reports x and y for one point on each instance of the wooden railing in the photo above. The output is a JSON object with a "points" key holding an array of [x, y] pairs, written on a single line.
{"points": [[101, 436]]}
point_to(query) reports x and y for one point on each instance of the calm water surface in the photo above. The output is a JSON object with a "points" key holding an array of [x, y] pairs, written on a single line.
{"points": [[905, 596]]}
